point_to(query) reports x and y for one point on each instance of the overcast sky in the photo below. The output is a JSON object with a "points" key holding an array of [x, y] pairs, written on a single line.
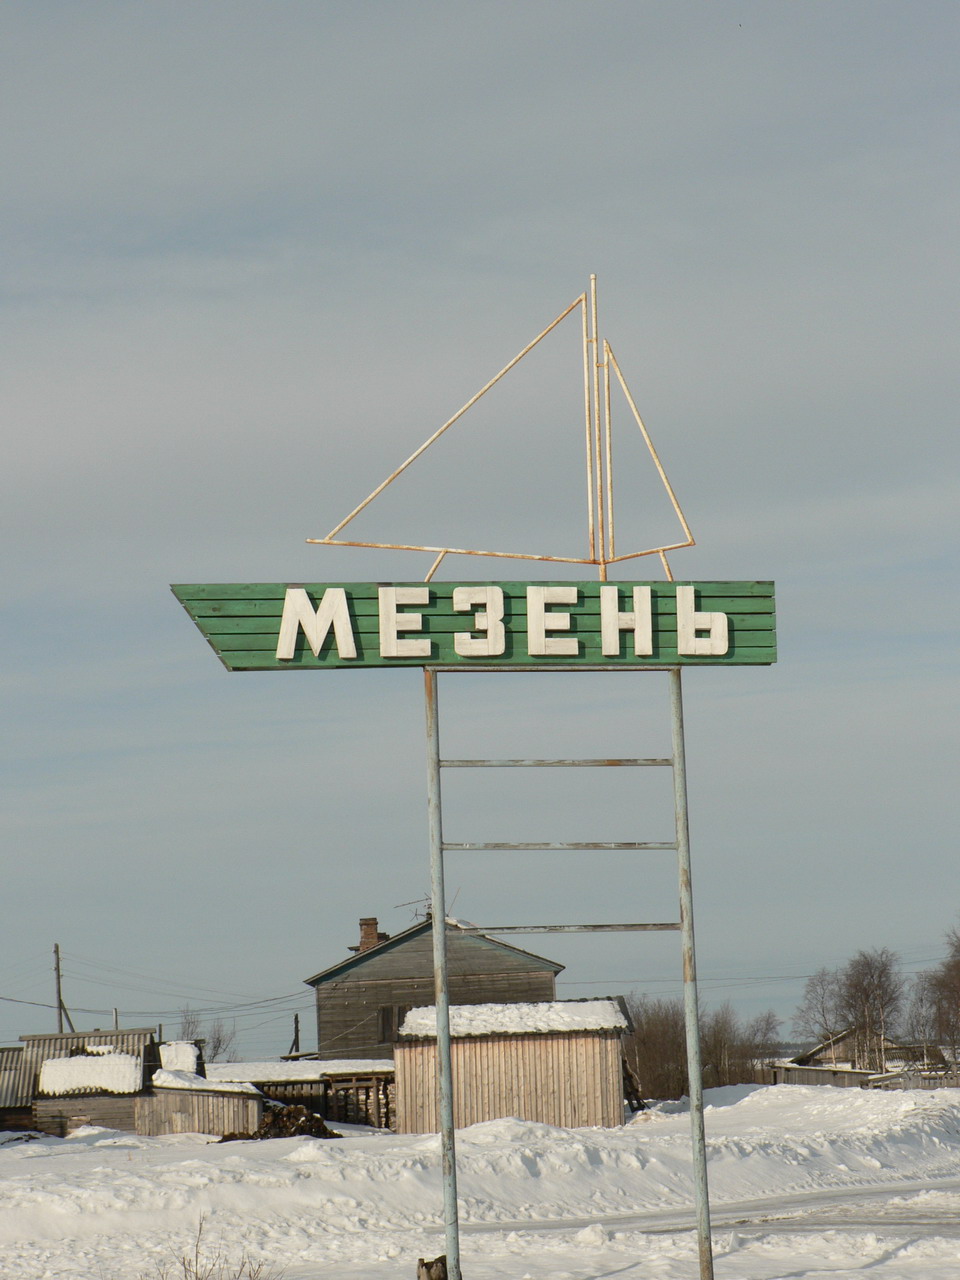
{"points": [[255, 254]]}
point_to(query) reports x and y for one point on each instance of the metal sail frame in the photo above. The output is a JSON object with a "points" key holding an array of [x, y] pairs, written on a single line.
{"points": [[598, 363]]}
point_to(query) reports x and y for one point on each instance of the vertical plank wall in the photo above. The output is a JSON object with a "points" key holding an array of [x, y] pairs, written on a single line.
{"points": [[571, 1079], [193, 1111]]}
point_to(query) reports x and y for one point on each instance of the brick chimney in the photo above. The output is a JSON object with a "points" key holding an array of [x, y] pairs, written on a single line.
{"points": [[370, 935]]}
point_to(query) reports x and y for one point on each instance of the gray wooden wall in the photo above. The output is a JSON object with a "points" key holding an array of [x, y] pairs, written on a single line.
{"points": [[571, 1079], [349, 1018]]}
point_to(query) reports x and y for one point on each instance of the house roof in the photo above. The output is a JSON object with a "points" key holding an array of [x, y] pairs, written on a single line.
{"points": [[832, 1043], [418, 930]]}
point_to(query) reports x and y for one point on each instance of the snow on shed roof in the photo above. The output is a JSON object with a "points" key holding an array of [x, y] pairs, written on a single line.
{"points": [[95, 1073], [518, 1019], [190, 1080], [293, 1072]]}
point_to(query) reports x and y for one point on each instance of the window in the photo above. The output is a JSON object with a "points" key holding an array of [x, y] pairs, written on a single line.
{"points": [[389, 1021]]}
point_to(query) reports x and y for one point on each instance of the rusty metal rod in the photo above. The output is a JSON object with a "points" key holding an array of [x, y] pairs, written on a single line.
{"points": [[450, 421], [597, 453], [571, 928], [588, 419], [608, 441], [549, 764], [330, 541], [556, 845], [653, 454]]}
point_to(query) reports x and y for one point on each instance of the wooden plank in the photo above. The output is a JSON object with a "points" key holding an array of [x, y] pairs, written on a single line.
{"points": [[242, 623], [256, 591], [265, 660]]}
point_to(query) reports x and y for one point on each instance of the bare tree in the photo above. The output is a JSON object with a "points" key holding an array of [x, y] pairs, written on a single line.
{"points": [[817, 1017], [219, 1040], [944, 982], [921, 1019], [731, 1050], [763, 1035], [870, 996], [656, 1049], [720, 1047], [189, 1023]]}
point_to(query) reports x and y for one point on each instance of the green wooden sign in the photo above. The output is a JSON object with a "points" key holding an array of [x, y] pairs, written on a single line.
{"points": [[319, 626]]}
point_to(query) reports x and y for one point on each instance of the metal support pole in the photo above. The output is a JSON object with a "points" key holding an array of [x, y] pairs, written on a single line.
{"points": [[441, 991], [690, 1009]]}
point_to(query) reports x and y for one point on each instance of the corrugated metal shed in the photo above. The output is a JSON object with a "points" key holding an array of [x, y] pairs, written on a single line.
{"points": [[141, 1041], [10, 1076]]}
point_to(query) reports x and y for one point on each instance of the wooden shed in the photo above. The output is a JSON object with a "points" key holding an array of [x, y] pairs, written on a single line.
{"points": [[128, 1085], [558, 1062], [194, 1109]]}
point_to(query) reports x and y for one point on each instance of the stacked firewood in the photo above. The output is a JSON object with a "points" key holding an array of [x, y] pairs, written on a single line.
{"points": [[286, 1122]]}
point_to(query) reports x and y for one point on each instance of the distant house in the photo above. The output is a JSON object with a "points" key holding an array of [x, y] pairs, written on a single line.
{"points": [[834, 1061], [558, 1062], [362, 1001]]}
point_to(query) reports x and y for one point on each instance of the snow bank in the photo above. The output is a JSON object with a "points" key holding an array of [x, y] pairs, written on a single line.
{"points": [[308, 1069], [101, 1072], [518, 1019], [805, 1181], [190, 1080]]}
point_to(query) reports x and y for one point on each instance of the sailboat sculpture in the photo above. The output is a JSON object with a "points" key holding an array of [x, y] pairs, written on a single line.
{"points": [[598, 364]]}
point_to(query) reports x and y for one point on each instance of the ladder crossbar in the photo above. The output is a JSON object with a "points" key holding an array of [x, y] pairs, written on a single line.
{"points": [[555, 764], [548, 844], [572, 928]]}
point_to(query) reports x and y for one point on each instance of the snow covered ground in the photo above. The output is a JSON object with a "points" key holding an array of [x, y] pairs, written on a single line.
{"points": [[805, 1183]]}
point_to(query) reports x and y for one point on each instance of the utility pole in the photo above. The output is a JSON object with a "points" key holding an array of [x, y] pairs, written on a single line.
{"points": [[56, 974], [295, 1046], [61, 1008]]}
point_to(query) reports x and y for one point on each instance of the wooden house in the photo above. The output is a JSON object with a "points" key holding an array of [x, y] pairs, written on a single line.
{"points": [[559, 1063], [835, 1061], [362, 1000]]}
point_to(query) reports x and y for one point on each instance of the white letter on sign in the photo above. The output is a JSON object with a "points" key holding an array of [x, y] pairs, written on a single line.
{"points": [[539, 622], [392, 623], [299, 612], [488, 619], [690, 621], [612, 622]]}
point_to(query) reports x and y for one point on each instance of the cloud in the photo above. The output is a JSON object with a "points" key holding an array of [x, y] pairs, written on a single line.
{"points": [[261, 252]]}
